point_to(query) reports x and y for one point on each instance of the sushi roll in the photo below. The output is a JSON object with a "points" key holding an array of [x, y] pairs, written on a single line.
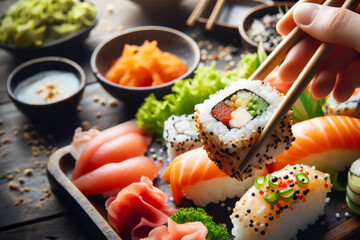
{"points": [[353, 187], [280, 204], [231, 120], [350, 108], [180, 135]]}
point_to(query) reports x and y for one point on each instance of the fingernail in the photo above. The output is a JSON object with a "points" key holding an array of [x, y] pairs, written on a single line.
{"points": [[305, 13]]}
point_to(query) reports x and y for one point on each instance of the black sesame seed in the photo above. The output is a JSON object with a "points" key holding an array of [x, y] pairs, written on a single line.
{"points": [[305, 192], [286, 176], [256, 229], [271, 218], [315, 176], [286, 206], [266, 224], [251, 220], [291, 172], [278, 211], [262, 232], [274, 179], [253, 194], [249, 211], [297, 191], [251, 225], [281, 208], [294, 167], [292, 184], [295, 197], [325, 178], [237, 215]]}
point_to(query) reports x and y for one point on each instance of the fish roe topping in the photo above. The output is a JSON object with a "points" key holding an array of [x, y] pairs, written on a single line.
{"points": [[281, 191]]}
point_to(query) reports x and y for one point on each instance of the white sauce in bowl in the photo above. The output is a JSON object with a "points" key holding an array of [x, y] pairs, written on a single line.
{"points": [[47, 87]]}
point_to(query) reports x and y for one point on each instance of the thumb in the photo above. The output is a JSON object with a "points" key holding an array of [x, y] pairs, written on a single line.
{"points": [[329, 24]]}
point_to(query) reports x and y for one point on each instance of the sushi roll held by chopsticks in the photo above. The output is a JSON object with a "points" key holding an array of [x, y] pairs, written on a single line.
{"points": [[230, 121]]}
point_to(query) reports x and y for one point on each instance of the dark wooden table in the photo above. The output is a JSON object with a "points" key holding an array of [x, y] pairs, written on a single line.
{"points": [[29, 210]]}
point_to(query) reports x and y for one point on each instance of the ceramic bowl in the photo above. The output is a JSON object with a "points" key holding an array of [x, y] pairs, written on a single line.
{"points": [[169, 40], [258, 12], [66, 41], [58, 109]]}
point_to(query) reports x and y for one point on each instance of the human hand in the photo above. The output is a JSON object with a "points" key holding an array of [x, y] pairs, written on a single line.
{"points": [[341, 71]]}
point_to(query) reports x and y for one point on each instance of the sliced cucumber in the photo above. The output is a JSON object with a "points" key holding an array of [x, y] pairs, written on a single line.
{"points": [[353, 206], [354, 182], [355, 197]]}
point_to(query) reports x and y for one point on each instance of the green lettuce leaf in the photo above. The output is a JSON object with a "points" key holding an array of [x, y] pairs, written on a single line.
{"points": [[189, 92]]}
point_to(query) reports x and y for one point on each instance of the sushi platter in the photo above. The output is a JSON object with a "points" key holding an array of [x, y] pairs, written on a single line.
{"points": [[182, 162], [91, 209]]}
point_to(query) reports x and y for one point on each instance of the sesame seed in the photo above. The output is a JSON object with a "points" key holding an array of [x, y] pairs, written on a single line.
{"points": [[337, 215]]}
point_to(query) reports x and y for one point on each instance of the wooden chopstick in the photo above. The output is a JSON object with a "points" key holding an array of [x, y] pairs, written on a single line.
{"points": [[197, 12], [299, 85], [214, 14]]}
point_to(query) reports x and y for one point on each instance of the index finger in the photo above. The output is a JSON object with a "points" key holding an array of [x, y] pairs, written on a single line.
{"points": [[287, 24]]}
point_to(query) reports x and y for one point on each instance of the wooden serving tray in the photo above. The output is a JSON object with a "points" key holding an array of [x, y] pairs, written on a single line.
{"points": [[91, 209], [59, 170]]}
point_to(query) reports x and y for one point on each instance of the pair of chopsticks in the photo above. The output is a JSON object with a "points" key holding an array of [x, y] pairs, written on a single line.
{"points": [[301, 82], [200, 8]]}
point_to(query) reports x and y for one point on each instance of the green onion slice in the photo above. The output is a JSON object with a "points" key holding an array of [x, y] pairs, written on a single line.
{"points": [[271, 196], [273, 180], [287, 194], [260, 182], [302, 179]]}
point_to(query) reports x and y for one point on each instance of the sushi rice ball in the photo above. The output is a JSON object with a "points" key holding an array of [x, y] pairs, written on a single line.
{"points": [[280, 204]]}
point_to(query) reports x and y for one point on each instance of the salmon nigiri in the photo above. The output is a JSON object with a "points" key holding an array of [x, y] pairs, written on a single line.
{"points": [[194, 175], [84, 164], [112, 177], [328, 142]]}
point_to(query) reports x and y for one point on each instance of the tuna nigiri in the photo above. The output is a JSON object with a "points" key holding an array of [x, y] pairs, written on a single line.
{"points": [[281, 203], [115, 176], [85, 163], [194, 175], [328, 142]]}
